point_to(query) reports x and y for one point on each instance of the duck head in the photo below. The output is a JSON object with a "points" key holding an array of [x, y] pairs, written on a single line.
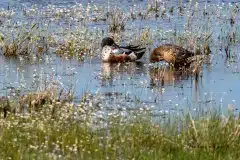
{"points": [[156, 56], [107, 41]]}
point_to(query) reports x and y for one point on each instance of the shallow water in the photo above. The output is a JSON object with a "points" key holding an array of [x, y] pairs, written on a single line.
{"points": [[127, 84], [131, 82]]}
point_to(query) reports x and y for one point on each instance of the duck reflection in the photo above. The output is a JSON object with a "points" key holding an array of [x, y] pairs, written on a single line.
{"points": [[159, 76], [167, 76], [113, 71]]}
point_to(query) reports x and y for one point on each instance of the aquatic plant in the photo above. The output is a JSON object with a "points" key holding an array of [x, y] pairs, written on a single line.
{"points": [[198, 24], [26, 42], [7, 14], [68, 130], [80, 44], [117, 20]]}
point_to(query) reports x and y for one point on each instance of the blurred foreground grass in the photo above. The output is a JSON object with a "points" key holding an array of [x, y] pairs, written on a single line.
{"points": [[59, 129]]}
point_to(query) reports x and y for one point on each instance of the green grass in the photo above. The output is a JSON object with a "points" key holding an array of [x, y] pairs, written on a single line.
{"points": [[63, 130]]}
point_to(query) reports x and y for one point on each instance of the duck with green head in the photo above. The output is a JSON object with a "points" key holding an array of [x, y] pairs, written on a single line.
{"points": [[111, 52]]}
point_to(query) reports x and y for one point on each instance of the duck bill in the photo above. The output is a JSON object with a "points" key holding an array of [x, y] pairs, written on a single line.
{"points": [[115, 45], [161, 59]]}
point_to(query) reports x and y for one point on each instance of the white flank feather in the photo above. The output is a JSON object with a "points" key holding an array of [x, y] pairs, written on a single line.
{"points": [[132, 56], [106, 51]]}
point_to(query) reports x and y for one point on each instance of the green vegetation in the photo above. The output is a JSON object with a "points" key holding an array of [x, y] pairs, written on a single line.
{"points": [[63, 130], [26, 42], [48, 124]]}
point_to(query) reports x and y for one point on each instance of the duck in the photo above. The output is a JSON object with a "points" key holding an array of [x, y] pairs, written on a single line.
{"points": [[175, 55], [112, 52]]}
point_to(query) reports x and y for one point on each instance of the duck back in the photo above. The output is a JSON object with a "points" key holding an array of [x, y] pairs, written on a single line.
{"points": [[174, 54]]}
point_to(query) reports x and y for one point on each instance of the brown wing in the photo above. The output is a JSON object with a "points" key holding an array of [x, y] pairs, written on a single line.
{"points": [[182, 54], [173, 53], [170, 53]]}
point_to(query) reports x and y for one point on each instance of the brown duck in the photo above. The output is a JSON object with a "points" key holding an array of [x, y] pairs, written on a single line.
{"points": [[173, 54]]}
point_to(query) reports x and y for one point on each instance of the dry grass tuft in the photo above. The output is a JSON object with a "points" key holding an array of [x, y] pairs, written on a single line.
{"points": [[26, 42], [117, 21]]}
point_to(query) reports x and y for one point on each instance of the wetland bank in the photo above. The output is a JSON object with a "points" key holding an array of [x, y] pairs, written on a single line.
{"points": [[59, 101]]}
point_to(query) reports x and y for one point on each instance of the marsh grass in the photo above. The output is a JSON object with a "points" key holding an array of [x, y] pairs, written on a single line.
{"points": [[71, 49], [26, 42], [73, 41], [21, 102], [79, 44], [72, 131], [117, 20]]}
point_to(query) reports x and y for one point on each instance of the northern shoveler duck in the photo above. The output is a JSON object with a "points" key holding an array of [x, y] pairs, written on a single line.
{"points": [[111, 52], [173, 54]]}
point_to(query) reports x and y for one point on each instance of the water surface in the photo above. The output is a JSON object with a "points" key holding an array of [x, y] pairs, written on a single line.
{"points": [[125, 85]]}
